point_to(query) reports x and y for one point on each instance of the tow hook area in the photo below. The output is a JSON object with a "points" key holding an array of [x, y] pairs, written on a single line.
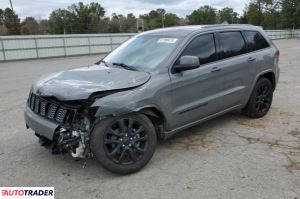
{"points": [[73, 142], [81, 148]]}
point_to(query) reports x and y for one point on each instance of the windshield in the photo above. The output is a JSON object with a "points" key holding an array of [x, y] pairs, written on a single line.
{"points": [[143, 53]]}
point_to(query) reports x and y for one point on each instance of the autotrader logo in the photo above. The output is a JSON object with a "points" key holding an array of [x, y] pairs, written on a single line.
{"points": [[27, 192]]}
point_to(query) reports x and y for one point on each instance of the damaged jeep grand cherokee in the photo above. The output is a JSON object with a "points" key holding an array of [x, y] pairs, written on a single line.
{"points": [[154, 85]]}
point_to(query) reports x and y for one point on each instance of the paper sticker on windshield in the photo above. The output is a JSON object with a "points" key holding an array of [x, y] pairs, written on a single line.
{"points": [[167, 40]]}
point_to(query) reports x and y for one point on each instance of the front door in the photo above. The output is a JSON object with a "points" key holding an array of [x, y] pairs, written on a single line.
{"points": [[196, 93]]}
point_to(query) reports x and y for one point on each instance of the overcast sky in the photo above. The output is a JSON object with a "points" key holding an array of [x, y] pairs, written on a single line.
{"points": [[42, 8]]}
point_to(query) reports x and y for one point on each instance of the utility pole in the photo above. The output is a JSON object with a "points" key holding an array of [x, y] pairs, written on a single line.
{"points": [[14, 19], [293, 31], [138, 28], [259, 2], [163, 19], [11, 5]]}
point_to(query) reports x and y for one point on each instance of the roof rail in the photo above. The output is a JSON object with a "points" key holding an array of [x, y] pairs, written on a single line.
{"points": [[222, 25]]}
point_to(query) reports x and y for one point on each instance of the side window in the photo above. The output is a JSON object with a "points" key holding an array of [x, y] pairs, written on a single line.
{"points": [[232, 44], [255, 41], [202, 47]]}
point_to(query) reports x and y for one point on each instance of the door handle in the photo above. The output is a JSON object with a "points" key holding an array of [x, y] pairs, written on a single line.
{"points": [[215, 69], [251, 58]]}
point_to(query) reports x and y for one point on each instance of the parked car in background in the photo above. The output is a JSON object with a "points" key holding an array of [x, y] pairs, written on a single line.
{"points": [[154, 85]]}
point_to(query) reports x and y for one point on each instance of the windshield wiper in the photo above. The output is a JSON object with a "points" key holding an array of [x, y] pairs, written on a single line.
{"points": [[124, 66]]}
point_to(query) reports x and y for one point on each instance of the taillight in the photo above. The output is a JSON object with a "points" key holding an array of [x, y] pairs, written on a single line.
{"points": [[277, 54]]}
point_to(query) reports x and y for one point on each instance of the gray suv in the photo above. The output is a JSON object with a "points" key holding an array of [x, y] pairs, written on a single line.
{"points": [[154, 85]]}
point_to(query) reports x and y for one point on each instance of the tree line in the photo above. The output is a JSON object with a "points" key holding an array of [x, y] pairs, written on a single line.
{"points": [[90, 18]]}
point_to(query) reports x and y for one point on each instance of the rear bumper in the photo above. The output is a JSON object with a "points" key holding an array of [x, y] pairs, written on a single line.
{"points": [[39, 124]]}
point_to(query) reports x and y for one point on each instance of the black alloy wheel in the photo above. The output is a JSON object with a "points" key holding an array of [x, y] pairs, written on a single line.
{"points": [[263, 98], [126, 140], [124, 144], [260, 100]]}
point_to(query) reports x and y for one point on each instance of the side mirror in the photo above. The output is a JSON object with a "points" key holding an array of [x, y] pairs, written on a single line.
{"points": [[187, 63]]}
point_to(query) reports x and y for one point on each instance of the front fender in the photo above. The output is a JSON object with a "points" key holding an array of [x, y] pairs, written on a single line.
{"points": [[113, 105], [121, 103], [154, 94]]}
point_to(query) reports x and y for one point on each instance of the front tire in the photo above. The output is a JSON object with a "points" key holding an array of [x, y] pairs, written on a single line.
{"points": [[124, 144], [260, 100]]}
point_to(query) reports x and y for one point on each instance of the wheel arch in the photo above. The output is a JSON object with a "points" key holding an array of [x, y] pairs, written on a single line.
{"points": [[152, 112], [156, 116], [270, 76]]}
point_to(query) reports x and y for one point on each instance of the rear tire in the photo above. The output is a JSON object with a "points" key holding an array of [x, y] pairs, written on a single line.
{"points": [[124, 144], [260, 100]]}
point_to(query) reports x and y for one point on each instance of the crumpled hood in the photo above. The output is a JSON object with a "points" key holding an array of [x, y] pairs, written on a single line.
{"points": [[80, 83]]}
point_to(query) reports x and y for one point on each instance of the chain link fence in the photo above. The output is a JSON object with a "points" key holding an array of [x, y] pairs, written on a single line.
{"points": [[43, 46], [283, 34]]}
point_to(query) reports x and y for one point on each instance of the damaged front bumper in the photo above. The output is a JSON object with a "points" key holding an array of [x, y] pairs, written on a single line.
{"points": [[40, 125], [59, 139]]}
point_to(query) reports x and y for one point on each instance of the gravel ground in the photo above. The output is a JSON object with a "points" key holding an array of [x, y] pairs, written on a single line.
{"points": [[228, 157]]}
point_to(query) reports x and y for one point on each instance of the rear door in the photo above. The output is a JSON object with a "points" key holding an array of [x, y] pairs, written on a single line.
{"points": [[259, 48], [236, 67]]}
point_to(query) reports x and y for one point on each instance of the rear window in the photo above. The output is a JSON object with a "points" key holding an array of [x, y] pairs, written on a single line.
{"points": [[255, 41], [232, 44]]}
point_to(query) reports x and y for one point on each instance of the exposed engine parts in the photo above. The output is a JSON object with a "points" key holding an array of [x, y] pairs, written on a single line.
{"points": [[72, 139]]}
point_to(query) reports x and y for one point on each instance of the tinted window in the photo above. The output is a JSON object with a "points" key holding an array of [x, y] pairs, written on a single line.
{"points": [[202, 47], [255, 41], [232, 44]]}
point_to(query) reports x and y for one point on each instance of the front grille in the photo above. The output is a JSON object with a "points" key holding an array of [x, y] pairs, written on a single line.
{"points": [[51, 110]]}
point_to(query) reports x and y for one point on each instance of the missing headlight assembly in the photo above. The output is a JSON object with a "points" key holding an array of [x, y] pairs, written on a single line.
{"points": [[73, 121]]}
